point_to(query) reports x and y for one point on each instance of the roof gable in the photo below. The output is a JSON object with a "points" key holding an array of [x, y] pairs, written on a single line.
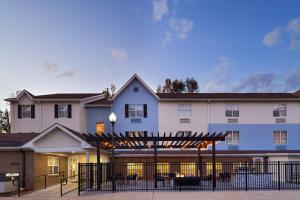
{"points": [[134, 77]]}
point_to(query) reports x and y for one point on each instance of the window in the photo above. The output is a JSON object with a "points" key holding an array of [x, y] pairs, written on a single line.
{"points": [[26, 111], [135, 110], [136, 133], [232, 110], [279, 110], [184, 110], [183, 133], [62, 110], [53, 165], [135, 168], [280, 137], [163, 168], [209, 168], [233, 137], [188, 169]]}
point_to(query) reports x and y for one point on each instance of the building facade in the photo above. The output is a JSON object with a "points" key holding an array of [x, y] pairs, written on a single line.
{"points": [[52, 128]]}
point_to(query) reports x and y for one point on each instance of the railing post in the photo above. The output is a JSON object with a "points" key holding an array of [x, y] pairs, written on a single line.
{"points": [[45, 179], [278, 171], [79, 179], [61, 187]]}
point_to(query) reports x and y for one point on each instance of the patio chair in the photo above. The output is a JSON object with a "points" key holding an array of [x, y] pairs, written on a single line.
{"points": [[133, 177]]}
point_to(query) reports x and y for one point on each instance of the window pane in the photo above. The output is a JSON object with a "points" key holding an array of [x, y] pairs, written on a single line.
{"points": [[135, 168], [235, 113], [26, 111], [188, 169], [228, 113], [62, 110]]}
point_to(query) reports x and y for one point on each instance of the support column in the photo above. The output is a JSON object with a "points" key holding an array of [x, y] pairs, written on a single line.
{"points": [[87, 157], [214, 163], [199, 162], [155, 164], [98, 166], [113, 171]]}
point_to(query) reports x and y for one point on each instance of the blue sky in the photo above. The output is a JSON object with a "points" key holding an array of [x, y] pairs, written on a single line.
{"points": [[84, 46]]}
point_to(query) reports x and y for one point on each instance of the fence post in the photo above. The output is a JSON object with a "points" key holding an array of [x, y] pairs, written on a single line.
{"points": [[79, 179], [113, 172], [45, 179], [19, 185], [246, 177], [278, 171]]}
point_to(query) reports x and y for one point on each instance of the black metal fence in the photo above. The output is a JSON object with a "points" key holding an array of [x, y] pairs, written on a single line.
{"points": [[188, 176]]}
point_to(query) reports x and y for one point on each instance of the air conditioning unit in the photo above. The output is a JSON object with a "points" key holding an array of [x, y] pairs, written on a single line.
{"points": [[280, 147], [184, 120], [280, 120], [233, 147], [232, 120]]}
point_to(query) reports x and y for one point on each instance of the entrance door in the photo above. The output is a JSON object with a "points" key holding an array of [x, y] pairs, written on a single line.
{"points": [[74, 168]]}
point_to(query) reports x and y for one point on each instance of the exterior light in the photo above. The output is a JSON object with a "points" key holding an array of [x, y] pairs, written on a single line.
{"points": [[112, 117], [100, 128]]}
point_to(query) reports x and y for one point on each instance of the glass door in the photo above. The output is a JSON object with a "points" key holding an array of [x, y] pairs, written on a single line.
{"points": [[74, 169]]}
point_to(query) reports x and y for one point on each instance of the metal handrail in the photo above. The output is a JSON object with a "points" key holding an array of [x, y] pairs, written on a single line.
{"points": [[19, 180], [65, 179]]}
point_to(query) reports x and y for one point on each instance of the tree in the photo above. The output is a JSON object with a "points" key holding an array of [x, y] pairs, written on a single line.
{"points": [[168, 87], [1, 121], [112, 89], [5, 122], [191, 85], [158, 90], [178, 86]]}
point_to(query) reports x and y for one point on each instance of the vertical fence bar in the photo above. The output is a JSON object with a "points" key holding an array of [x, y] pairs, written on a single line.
{"points": [[246, 176], [79, 179], [155, 165], [214, 164], [278, 171], [98, 165]]}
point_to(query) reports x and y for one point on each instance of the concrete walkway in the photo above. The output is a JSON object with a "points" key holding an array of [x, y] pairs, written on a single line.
{"points": [[256, 195]]}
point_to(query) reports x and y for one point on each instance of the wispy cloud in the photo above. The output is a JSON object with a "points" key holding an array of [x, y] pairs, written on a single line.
{"points": [[66, 74], [160, 8], [50, 67], [178, 29], [290, 30], [119, 55], [272, 38]]}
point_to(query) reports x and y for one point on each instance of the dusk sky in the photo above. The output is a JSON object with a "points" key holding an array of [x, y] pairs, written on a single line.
{"points": [[84, 46]]}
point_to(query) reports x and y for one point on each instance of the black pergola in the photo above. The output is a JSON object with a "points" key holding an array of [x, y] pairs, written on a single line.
{"points": [[113, 141]]}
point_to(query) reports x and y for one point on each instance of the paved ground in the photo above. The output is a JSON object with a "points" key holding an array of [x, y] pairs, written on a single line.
{"points": [[257, 195]]}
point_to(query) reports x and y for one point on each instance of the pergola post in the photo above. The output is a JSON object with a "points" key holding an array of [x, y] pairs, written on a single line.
{"points": [[98, 166], [113, 171], [214, 163], [155, 164]]}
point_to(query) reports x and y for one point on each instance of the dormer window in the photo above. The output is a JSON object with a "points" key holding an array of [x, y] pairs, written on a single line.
{"points": [[26, 111]]}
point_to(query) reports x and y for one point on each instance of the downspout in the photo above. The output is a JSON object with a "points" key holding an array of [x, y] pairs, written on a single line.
{"points": [[23, 167], [208, 115]]}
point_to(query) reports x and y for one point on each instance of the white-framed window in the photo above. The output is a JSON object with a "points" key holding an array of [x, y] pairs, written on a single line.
{"points": [[232, 110], [280, 137], [184, 110], [136, 133], [26, 111], [53, 165], [136, 110], [280, 110], [183, 133], [233, 137], [62, 110]]}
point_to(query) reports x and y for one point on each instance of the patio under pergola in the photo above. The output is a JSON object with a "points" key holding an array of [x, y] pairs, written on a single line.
{"points": [[116, 143]]}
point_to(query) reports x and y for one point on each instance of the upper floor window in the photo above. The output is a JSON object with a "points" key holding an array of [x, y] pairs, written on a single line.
{"points": [[232, 110], [183, 133], [53, 165], [135, 110], [279, 110], [233, 137], [26, 111], [184, 110], [280, 137], [63, 111]]}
